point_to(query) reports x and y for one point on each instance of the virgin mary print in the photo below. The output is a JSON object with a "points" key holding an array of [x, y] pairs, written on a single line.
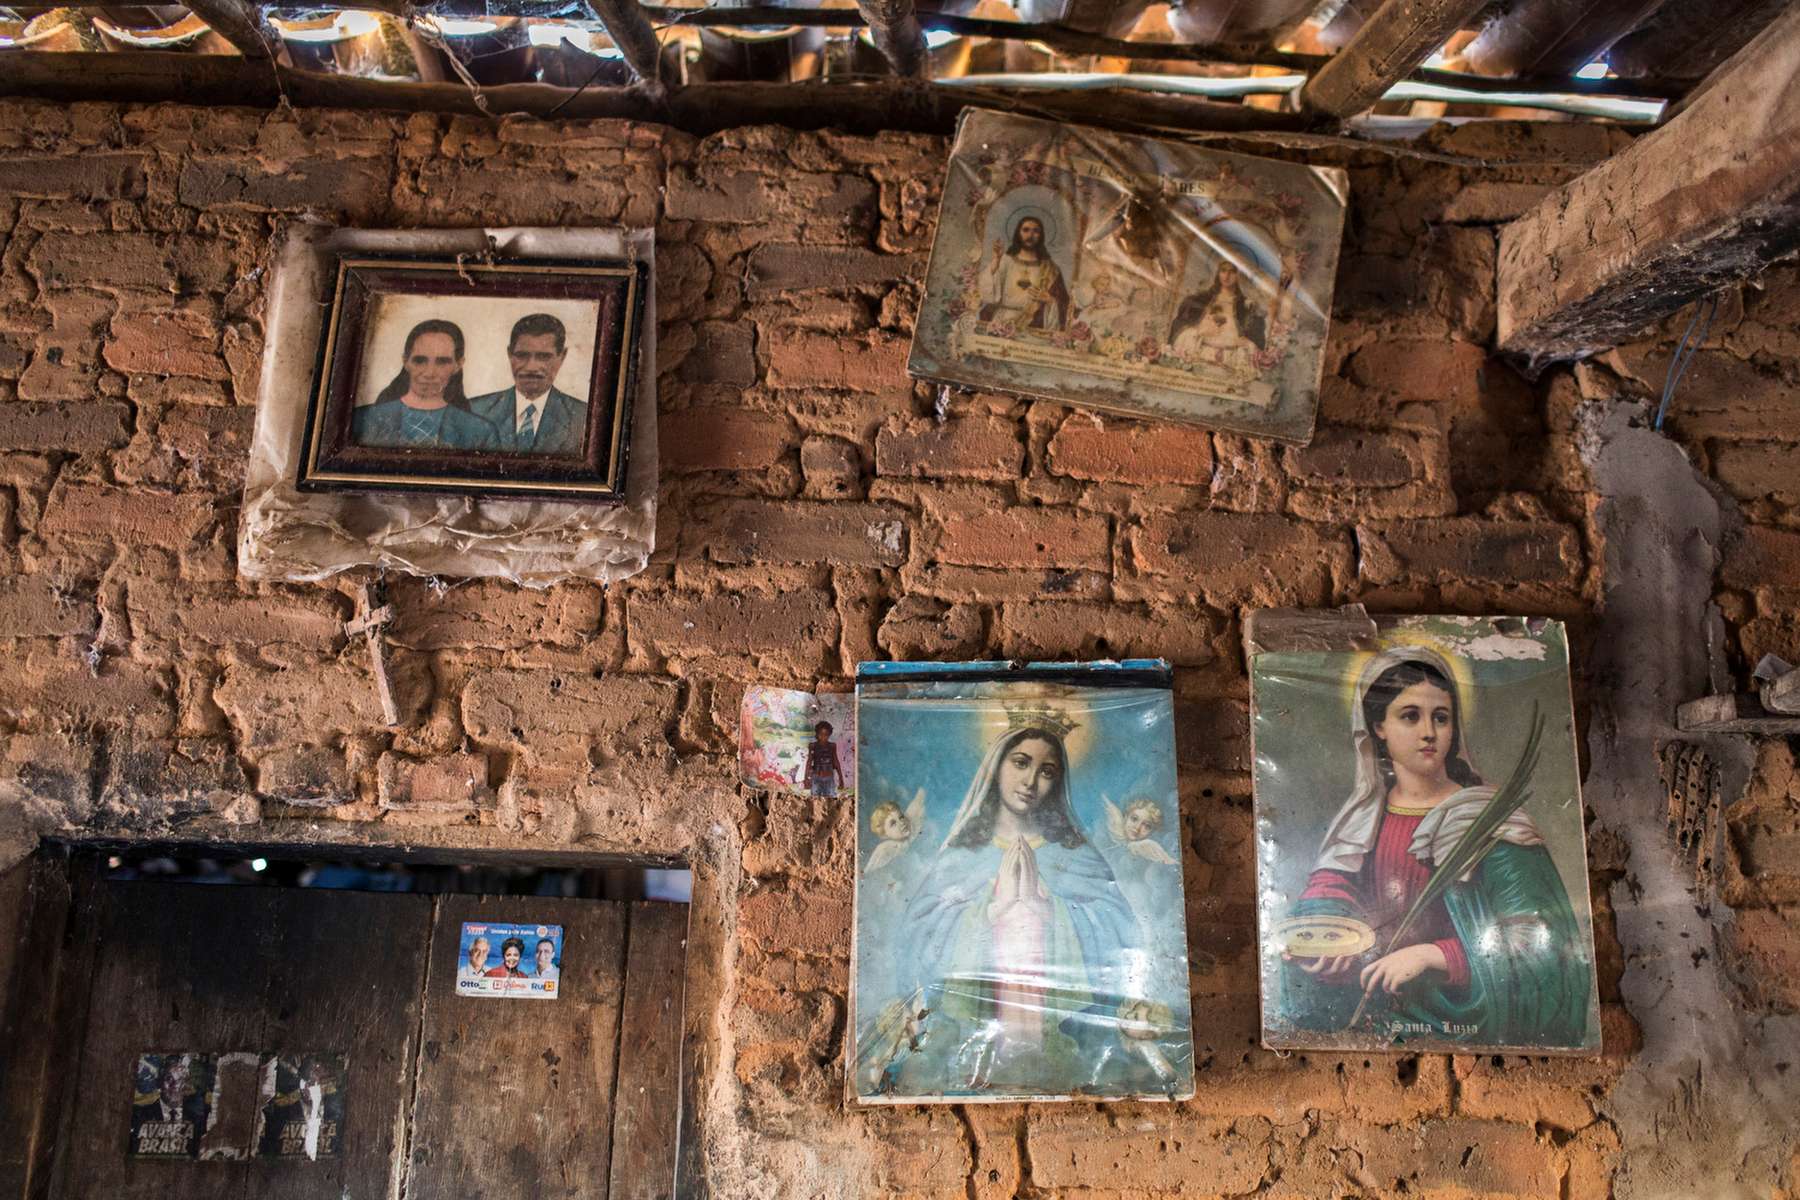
{"points": [[1019, 929], [1422, 878]]}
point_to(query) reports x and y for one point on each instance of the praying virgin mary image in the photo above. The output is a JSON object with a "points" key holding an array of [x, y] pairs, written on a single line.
{"points": [[1433, 911], [1017, 965]]}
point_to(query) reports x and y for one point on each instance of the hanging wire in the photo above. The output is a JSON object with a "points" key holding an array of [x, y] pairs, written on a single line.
{"points": [[1684, 355]]}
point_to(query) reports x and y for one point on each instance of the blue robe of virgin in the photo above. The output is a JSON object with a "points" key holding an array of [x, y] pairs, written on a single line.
{"points": [[1071, 983], [1089, 923]]}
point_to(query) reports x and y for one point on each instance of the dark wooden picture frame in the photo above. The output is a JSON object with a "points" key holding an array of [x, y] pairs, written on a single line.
{"points": [[332, 458]]}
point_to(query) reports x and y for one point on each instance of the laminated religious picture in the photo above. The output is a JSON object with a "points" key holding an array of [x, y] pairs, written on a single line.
{"points": [[1019, 926], [1421, 859], [792, 741], [1149, 277]]}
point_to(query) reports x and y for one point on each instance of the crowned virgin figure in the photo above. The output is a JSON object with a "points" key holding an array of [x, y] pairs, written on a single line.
{"points": [[1497, 957], [1019, 926]]}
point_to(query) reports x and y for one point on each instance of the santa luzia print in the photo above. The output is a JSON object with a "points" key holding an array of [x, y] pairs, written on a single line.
{"points": [[1007, 946], [1433, 909]]}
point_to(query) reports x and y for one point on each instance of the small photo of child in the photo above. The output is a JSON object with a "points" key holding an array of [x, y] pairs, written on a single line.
{"points": [[798, 742], [824, 774]]}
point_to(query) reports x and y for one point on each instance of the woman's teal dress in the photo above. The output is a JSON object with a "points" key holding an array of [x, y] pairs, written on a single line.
{"points": [[393, 424], [1530, 975]]}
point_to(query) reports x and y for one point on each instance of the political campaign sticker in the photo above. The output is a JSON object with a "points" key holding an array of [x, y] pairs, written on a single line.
{"points": [[171, 1104], [302, 1113], [498, 960]]}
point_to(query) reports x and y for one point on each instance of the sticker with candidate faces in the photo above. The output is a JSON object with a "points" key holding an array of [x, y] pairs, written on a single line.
{"points": [[504, 961]]}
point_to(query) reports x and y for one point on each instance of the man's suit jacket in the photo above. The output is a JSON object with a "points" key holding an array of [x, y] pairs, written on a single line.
{"points": [[561, 425]]}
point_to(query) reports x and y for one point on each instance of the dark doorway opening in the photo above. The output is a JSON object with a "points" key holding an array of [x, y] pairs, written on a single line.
{"points": [[285, 869]]}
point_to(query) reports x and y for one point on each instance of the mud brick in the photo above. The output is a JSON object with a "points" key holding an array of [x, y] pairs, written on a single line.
{"points": [[1108, 450], [975, 447], [450, 783]]}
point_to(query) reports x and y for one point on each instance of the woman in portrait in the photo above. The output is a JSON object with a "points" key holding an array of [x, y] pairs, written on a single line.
{"points": [[1498, 958], [424, 405], [1218, 323], [1019, 925]]}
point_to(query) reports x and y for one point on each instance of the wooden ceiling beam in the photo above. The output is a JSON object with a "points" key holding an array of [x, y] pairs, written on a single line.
{"points": [[237, 22], [1709, 199], [1687, 42], [1064, 41], [894, 104], [630, 30], [894, 28], [1104, 18], [1556, 37], [1210, 21], [1391, 45]]}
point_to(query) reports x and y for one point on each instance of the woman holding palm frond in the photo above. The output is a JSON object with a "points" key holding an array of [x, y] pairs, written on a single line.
{"points": [[1474, 938]]}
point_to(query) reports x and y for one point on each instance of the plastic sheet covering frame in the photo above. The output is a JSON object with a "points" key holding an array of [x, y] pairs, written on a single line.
{"points": [[1019, 926], [286, 534], [1421, 857], [1143, 276]]}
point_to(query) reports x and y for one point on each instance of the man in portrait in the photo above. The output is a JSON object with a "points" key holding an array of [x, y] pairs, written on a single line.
{"points": [[546, 960], [533, 416], [1024, 288], [475, 966], [303, 1107], [169, 1121]]}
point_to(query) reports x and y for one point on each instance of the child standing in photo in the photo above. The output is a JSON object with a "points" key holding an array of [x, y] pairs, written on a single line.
{"points": [[824, 776]]}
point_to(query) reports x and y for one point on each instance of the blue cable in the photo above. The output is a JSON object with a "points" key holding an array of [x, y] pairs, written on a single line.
{"points": [[1684, 357]]}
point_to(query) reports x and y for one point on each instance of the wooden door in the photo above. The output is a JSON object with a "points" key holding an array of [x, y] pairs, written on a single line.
{"points": [[185, 968], [446, 1096], [591, 1082]]}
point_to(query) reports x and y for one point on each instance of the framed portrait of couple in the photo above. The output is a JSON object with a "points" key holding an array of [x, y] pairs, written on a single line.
{"points": [[1147, 277], [485, 377]]}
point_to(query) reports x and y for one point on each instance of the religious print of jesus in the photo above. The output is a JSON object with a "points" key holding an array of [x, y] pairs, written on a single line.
{"points": [[1421, 861], [1019, 919], [1132, 274]]}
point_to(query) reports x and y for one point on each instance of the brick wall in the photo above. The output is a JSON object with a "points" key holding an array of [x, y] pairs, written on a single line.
{"points": [[814, 514]]}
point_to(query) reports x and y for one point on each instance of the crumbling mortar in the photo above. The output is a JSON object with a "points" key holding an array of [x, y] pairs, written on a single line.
{"points": [[1660, 521], [971, 1185]]}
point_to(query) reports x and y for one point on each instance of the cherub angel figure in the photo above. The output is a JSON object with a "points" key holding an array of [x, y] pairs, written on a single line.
{"points": [[1133, 827], [897, 1031], [897, 830], [1141, 1022]]}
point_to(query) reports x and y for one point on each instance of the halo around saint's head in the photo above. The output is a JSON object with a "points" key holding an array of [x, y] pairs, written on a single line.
{"points": [[1395, 641]]}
